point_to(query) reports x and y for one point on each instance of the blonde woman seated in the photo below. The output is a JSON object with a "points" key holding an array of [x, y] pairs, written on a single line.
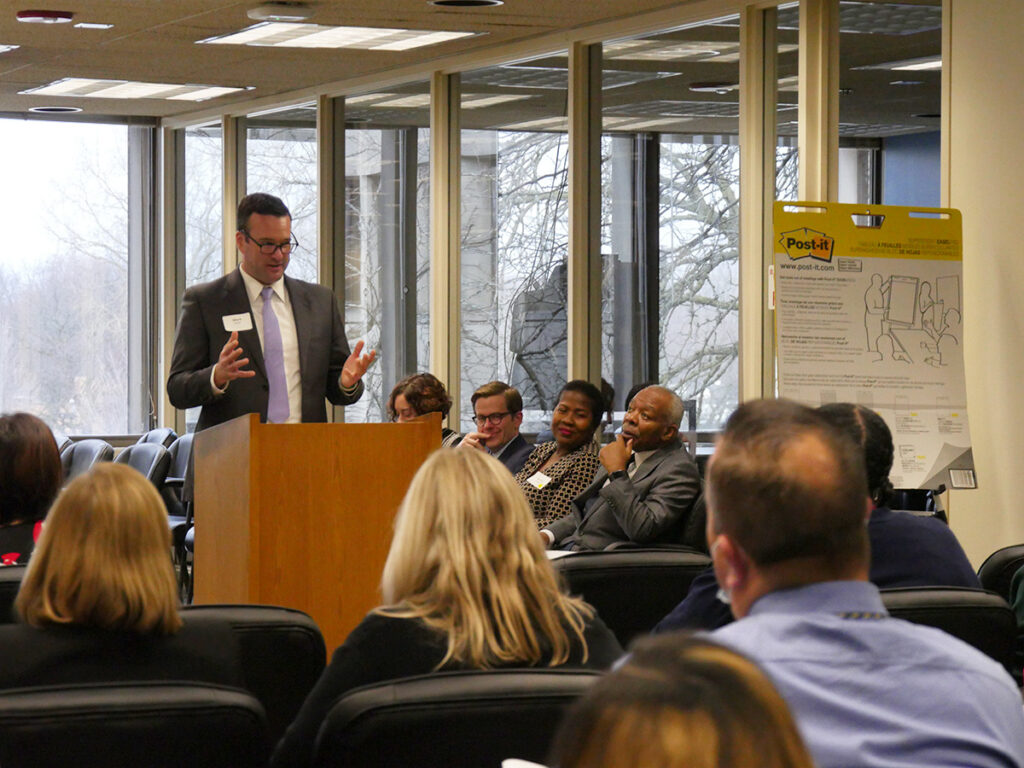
{"points": [[99, 598], [681, 702], [466, 586]]}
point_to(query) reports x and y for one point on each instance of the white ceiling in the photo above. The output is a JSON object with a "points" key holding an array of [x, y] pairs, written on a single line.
{"points": [[154, 40]]}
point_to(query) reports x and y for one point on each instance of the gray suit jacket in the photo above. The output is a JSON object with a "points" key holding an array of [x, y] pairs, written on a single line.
{"points": [[651, 506], [323, 350]]}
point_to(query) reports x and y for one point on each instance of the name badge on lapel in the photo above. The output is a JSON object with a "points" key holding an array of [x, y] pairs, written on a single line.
{"points": [[241, 322], [538, 480]]}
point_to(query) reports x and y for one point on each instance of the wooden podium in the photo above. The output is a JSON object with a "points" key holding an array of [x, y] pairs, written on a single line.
{"points": [[300, 515]]}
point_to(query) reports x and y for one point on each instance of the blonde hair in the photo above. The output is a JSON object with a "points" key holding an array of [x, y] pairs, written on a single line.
{"points": [[466, 559], [103, 558], [681, 702]]}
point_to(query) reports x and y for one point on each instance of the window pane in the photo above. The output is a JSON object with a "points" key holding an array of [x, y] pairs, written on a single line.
{"points": [[785, 30], [890, 86], [64, 350], [281, 160], [515, 216], [387, 236], [670, 214], [204, 153]]}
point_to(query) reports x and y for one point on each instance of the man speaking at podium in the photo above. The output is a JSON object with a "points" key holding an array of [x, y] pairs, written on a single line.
{"points": [[256, 341]]}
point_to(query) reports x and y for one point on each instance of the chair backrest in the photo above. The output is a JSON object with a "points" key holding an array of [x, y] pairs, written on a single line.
{"points": [[997, 571], [454, 719], [165, 724], [632, 589], [180, 450], [79, 457], [10, 583], [979, 618], [151, 459], [282, 651], [161, 436]]}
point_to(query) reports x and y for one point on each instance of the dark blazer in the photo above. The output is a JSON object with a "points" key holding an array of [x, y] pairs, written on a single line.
{"points": [[201, 335], [515, 454], [63, 655], [652, 505], [387, 648]]}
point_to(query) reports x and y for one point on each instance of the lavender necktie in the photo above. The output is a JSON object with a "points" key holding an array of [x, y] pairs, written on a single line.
{"points": [[273, 357]]}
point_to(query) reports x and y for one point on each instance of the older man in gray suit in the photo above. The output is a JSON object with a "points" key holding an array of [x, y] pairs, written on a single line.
{"points": [[648, 485]]}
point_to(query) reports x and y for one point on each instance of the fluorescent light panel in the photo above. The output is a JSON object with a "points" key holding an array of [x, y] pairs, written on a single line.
{"points": [[6, 48], [127, 89], [291, 35]]}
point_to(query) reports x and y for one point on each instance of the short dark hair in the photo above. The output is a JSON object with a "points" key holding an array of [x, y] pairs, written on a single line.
{"points": [[30, 468], [868, 430], [593, 395], [424, 392], [513, 400], [261, 203], [777, 510]]}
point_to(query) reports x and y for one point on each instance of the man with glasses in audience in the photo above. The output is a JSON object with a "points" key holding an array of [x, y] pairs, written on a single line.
{"points": [[498, 412], [257, 341]]}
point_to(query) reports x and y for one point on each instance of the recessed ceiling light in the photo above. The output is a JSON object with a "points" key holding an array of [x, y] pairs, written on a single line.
{"points": [[45, 17], [466, 3], [6, 48], [55, 110], [92, 25], [280, 12], [285, 35], [128, 89]]}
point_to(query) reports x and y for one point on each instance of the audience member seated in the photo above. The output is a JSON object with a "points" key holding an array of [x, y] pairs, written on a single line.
{"points": [[466, 586], [646, 487], [787, 500], [681, 703], [30, 477], [557, 471], [498, 412], [99, 599], [417, 395], [906, 550]]}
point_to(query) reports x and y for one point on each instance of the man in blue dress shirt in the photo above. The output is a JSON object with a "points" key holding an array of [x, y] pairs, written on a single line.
{"points": [[787, 509]]}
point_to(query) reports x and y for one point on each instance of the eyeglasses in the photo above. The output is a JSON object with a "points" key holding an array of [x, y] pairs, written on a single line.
{"points": [[491, 418], [267, 249]]}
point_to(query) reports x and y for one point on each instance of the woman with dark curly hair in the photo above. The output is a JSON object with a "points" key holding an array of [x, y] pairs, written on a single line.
{"points": [[419, 394], [30, 476]]}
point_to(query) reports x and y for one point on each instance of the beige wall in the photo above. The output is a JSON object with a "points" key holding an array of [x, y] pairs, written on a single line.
{"points": [[985, 66]]}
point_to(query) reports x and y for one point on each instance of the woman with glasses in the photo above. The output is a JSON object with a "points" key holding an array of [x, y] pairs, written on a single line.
{"points": [[560, 470], [466, 586], [420, 394]]}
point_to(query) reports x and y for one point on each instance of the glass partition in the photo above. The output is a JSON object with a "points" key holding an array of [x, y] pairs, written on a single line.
{"points": [[387, 236], [281, 159], [515, 216], [204, 162], [71, 337], [670, 214], [890, 69]]}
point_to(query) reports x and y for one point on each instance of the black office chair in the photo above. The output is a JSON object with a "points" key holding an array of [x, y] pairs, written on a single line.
{"points": [[79, 457], [282, 655], [632, 589], [452, 719], [179, 512], [979, 618], [164, 436], [998, 569], [10, 583], [151, 459], [170, 725]]}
